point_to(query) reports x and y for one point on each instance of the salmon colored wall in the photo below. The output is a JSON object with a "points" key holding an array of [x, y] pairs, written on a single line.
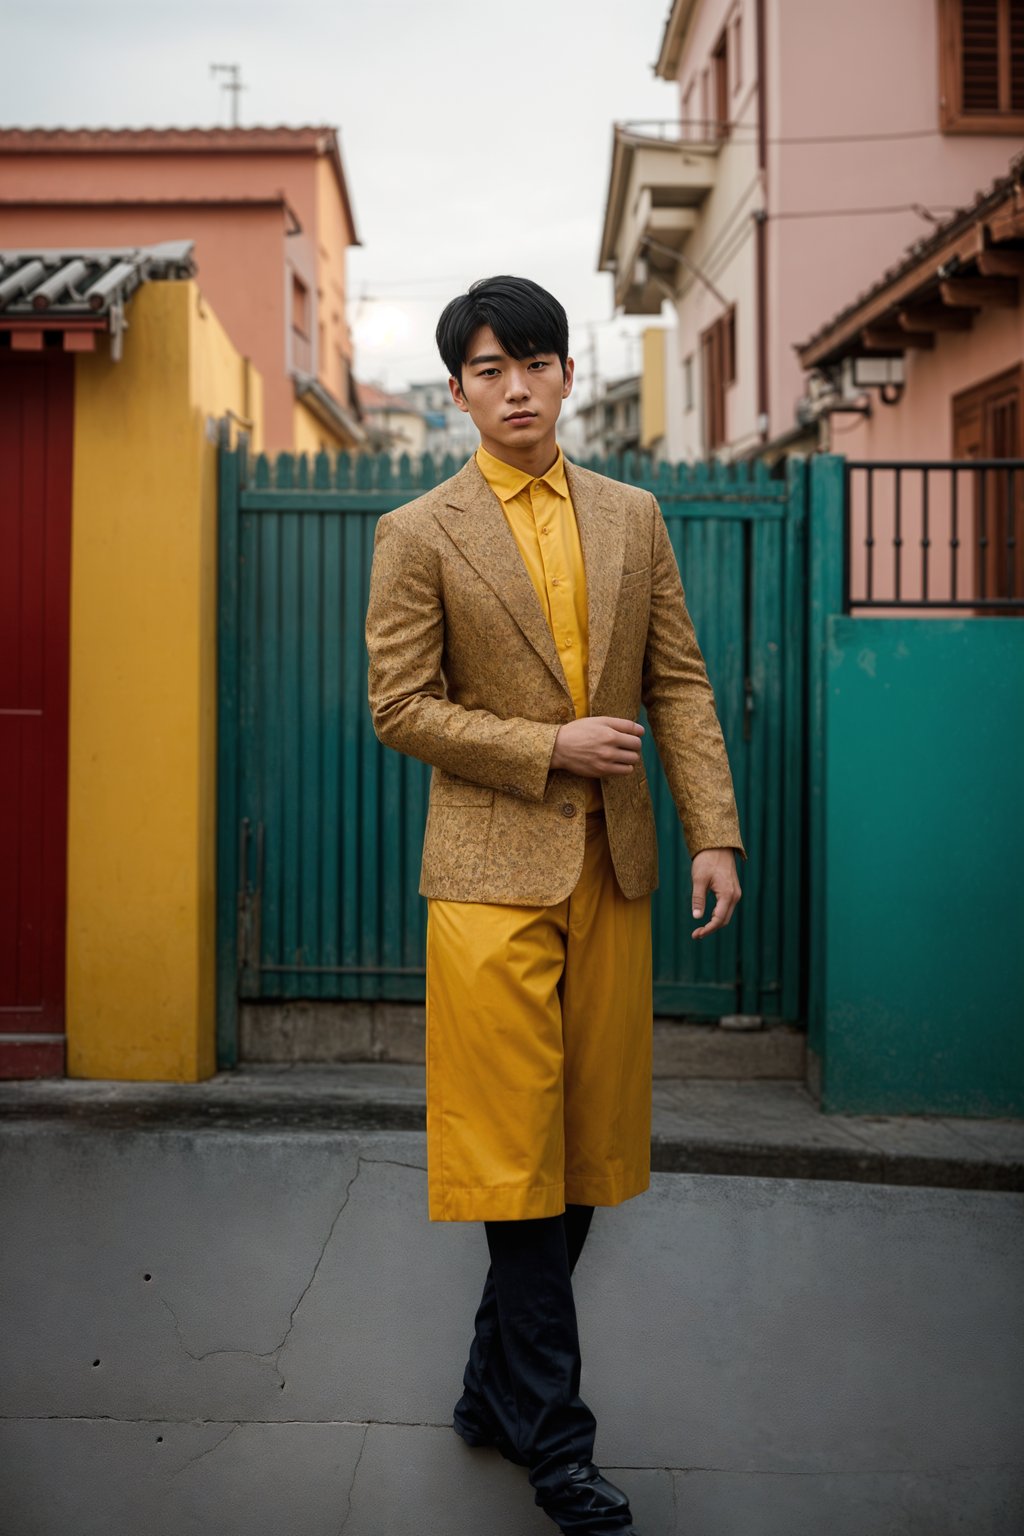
{"points": [[333, 237], [868, 69], [239, 259], [833, 72], [142, 722], [245, 254]]}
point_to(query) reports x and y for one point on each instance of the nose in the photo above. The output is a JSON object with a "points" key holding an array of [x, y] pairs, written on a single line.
{"points": [[518, 384]]}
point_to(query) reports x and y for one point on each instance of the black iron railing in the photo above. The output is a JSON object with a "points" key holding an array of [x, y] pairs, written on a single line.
{"points": [[935, 534]]}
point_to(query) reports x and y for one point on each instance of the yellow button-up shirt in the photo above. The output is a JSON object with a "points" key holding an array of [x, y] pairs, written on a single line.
{"points": [[540, 514]]}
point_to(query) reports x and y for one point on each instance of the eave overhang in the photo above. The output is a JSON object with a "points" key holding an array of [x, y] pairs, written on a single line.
{"points": [[974, 262], [655, 191]]}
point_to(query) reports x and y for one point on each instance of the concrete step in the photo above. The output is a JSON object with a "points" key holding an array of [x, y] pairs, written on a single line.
{"points": [[760, 1128], [394, 1032]]}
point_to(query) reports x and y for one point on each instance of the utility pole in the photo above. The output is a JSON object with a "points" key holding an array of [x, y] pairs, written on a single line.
{"points": [[233, 85]]}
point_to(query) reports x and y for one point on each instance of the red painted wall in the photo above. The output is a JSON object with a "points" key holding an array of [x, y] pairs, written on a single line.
{"points": [[36, 420]]}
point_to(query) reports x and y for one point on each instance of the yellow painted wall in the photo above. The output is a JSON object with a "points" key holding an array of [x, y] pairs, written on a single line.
{"points": [[652, 387], [142, 729], [310, 435]]}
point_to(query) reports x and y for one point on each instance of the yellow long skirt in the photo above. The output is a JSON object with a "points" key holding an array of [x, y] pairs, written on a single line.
{"points": [[539, 1032]]}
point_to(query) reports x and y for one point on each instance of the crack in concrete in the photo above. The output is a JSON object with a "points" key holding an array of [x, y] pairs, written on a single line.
{"points": [[352, 1481], [194, 1460], [274, 1355], [675, 1471], [113, 1418]]}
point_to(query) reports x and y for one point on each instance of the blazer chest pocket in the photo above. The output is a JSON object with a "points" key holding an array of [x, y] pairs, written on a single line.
{"points": [[449, 789]]}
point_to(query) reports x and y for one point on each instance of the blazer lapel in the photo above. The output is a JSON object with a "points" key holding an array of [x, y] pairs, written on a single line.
{"points": [[601, 519], [476, 524]]}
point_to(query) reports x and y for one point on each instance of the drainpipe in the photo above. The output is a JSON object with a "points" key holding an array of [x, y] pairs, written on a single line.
{"points": [[761, 226]]}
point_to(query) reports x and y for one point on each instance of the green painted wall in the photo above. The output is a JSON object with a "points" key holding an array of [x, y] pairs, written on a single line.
{"points": [[924, 867]]}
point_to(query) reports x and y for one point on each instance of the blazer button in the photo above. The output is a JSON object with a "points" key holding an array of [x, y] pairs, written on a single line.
{"points": [[568, 809]]}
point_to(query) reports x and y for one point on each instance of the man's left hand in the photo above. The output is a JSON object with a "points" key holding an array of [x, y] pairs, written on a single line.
{"points": [[714, 868]]}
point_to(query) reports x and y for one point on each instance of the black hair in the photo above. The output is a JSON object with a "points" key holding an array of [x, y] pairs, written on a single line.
{"points": [[525, 318]]}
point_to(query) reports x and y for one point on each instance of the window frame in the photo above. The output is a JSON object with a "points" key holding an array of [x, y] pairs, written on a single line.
{"points": [[952, 116], [718, 373], [719, 85]]}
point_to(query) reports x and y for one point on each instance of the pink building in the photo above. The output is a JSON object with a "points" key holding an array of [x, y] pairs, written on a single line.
{"points": [[805, 146], [928, 364], [270, 214]]}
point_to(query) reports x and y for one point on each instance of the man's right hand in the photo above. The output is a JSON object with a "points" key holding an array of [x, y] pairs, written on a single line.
{"points": [[598, 746]]}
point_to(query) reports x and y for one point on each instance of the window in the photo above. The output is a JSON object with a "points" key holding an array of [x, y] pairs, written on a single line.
{"points": [[737, 52], [705, 106], [718, 357], [300, 306], [302, 351], [988, 423], [981, 53], [688, 383], [720, 84]]}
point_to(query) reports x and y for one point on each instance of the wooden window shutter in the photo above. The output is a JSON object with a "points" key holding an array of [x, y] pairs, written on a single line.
{"points": [[979, 55], [982, 65], [1016, 30]]}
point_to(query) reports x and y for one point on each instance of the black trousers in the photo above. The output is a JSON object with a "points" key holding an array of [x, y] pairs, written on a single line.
{"points": [[524, 1362]]}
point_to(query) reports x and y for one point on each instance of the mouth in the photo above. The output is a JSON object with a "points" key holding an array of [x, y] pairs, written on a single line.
{"points": [[522, 416]]}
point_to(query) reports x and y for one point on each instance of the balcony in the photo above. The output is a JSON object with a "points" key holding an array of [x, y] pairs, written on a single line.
{"points": [[655, 190]]}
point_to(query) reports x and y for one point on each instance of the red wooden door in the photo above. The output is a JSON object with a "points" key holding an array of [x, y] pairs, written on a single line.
{"points": [[36, 404]]}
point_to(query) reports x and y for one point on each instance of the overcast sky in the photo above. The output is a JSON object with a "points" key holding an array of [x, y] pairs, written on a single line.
{"points": [[476, 136]]}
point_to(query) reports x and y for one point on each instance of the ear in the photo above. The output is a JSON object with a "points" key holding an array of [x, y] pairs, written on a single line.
{"points": [[457, 395], [570, 369]]}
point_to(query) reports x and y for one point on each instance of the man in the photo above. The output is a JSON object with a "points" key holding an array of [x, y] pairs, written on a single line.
{"points": [[519, 616]]}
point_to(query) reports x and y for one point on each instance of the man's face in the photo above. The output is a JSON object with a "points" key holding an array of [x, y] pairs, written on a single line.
{"points": [[514, 402]]}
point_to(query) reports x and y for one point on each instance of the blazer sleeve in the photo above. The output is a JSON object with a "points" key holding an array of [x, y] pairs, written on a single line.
{"points": [[680, 706], [408, 704]]}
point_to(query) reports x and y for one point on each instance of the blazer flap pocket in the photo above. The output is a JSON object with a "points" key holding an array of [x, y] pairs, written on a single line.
{"points": [[449, 789]]}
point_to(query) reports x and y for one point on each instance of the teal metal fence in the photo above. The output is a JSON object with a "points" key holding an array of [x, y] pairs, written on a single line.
{"points": [[319, 827]]}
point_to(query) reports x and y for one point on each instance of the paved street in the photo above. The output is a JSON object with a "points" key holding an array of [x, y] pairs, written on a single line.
{"points": [[254, 1330]]}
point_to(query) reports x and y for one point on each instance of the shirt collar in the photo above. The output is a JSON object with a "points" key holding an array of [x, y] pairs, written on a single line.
{"points": [[506, 481]]}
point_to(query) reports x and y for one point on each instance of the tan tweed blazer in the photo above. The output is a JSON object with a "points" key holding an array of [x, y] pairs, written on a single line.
{"points": [[464, 674]]}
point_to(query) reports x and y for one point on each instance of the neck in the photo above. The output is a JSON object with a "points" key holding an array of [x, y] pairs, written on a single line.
{"points": [[534, 460]]}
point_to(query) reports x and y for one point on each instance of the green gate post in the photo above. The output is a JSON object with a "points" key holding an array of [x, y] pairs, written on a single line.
{"points": [[794, 736], [826, 564]]}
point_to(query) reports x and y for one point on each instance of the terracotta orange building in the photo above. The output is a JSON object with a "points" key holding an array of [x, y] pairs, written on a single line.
{"points": [[270, 216]]}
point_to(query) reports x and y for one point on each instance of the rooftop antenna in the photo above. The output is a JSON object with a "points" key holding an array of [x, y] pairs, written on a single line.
{"points": [[233, 85]]}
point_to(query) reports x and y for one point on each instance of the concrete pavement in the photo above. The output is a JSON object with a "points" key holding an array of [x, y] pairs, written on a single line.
{"points": [[252, 1329]]}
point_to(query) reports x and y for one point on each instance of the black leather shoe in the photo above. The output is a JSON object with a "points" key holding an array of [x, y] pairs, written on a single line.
{"points": [[476, 1427], [582, 1502]]}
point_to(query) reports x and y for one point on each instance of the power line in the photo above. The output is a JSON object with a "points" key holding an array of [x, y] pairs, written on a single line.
{"points": [[843, 213], [713, 128]]}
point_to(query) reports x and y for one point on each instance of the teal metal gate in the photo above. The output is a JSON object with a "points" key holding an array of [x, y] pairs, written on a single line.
{"points": [[319, 827]]}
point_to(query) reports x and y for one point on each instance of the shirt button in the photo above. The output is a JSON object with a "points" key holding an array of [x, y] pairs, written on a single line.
{"points": [[568, 809]]}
